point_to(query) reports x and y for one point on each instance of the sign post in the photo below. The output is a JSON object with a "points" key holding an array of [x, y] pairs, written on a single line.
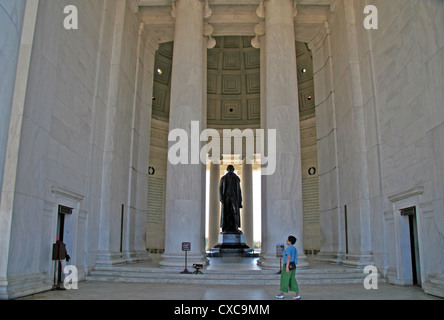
{"points": [[186, 246], [279, 254]]}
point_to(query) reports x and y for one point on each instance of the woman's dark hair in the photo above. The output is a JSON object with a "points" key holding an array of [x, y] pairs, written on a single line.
{"points": [[292, 239]]}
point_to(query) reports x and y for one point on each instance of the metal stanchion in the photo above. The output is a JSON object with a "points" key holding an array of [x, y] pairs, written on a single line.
{"points": [[279, 254]]}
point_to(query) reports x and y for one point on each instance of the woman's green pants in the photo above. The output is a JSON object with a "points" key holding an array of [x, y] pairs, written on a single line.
{"points": [[288, 280]]}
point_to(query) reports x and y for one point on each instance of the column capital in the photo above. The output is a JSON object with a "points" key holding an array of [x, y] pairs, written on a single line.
{"points": [[279, 12], [173, 9], [295, 8], [207, 13], [134, 6], [260, 11], [208, 32], [259, 30]]}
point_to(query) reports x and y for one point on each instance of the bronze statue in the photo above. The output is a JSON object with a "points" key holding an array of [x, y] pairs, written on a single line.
{"points": [[230, 195]]}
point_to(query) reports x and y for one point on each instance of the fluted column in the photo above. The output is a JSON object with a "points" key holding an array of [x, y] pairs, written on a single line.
{"points": [[184, 210], [214, 206], [282, 191], [247, 201]]}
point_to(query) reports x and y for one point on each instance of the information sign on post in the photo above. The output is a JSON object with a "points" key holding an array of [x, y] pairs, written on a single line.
{"points": [[186, 246], [279, 250]]}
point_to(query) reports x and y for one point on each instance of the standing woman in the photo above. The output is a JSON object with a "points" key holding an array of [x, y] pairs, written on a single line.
{"points": [[288, 274]]}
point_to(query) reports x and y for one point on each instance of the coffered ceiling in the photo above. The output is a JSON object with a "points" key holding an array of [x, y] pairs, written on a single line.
{"points": [[233, 83], [234, 17]]}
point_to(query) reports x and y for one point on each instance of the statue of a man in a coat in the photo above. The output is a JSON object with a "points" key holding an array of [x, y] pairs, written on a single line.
{"points": [[230, 196]]}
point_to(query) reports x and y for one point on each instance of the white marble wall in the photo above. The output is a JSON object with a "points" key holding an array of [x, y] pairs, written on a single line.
{"points": [[11, 19], [408, 72], [84, 141], [386, 129]]}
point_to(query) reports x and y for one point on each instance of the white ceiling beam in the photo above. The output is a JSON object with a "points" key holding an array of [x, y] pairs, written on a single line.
{"points": [[231, 2], [234, 17]]}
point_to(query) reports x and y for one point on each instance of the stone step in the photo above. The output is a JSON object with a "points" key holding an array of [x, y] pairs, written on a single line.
{"points": [[238, 277]]}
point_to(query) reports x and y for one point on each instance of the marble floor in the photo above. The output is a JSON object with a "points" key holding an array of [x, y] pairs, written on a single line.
{"points": [[92, 290], [149, 291]]}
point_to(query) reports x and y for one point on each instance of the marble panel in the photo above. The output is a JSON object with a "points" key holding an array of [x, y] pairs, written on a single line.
{"points": [[253, 83], [231, 61], [231, 110], [231, 85], [213, 60], [253, 109], [232, 42], [252, 59]]}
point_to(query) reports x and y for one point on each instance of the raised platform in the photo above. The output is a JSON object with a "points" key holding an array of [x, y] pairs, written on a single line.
{"points": [[226, 271], [232, 245]]}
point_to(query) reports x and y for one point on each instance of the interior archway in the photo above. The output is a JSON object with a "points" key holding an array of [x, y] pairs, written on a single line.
{"points": [[233, 102]]}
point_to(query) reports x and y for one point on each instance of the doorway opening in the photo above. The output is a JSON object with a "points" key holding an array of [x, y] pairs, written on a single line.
{"points": [[410, 214], [64, 240], [64, 226], [251, 213], [234, 100]]}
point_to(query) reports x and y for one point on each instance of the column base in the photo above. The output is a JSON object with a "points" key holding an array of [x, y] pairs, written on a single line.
{"points": [[110, 258], [136, 256], [434, 285], [23, 285], [360, 260], [329, 257], [271, 262]]}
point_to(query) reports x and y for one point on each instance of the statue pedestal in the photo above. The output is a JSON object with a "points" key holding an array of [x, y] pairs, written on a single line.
{"points": [[231, 245]]}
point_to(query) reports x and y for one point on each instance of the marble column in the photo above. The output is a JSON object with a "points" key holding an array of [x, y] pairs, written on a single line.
{"points": [[327, 142], [282, 190], [110, 209], [136, 225], [184, 210], [214, 206], [247, 201], [15, 65]]}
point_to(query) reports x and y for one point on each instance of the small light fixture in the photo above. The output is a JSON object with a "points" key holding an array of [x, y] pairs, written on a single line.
{"points": [[154, 98], [309, 98], [159, 71], [304, 70]]}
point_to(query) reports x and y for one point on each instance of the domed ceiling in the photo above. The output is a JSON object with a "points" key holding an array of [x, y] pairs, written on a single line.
{"points": [[233, 83]]}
